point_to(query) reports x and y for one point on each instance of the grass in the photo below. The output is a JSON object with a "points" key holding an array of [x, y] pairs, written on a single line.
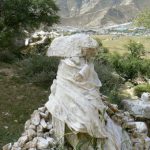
{"points": [[17, 102], [116, 44]]}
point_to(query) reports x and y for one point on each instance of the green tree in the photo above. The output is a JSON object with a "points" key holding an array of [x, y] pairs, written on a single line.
{"points": [[17, 16], [143, 19]]}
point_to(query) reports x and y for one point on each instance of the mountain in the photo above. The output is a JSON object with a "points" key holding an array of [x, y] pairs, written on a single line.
{"points": [[92, 13]]}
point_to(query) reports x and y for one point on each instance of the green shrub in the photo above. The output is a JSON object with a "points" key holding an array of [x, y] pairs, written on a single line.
{"points": [[135, 49], [111, 82], [7, 56], [139, 89], [39, 69]]}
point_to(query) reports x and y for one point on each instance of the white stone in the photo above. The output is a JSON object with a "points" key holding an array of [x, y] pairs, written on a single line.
{"points": [[51, 132], [49, 126], [32, 127], [145, 97], [32, 149], [27, 124], [16, 144], [16, 148], [31, 133], [43, 115], [39, 128], [22, 140], [35, 118], [42, 143], [147, 143], [42, 109], [51, 140], [137, 108], [141, 127], [7, 147], [46, 134], [43, 123], [31, 144]]}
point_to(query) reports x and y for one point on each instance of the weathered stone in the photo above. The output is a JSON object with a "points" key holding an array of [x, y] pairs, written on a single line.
{"points": [[35, 118], [43, 115], [145, 97], [141, 127], [137, 108], [147, 143], [22, 140], [7, 147], [27, 124], [42, 143], [31, 133], [46, 134], [39, 128], [42, 109], [51, 132], [49, 126], [16, 148], [43, 123], [32, 149], [51, 141], [31, 144], [32, 127]]}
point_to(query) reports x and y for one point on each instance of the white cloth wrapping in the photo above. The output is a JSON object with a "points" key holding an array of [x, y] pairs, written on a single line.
{"points": [[78, 104], [71, 46]]}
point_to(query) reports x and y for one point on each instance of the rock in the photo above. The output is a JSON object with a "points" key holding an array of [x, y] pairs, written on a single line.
{"points": [[32, 149], [147, 143], [7, 147], [16, 148], [51, 141], [51, 131], [42, 143], [22, 140], [39, 129], [43, 123], [31, 144], [27, 124], [141, 127], [49, 126], [31, 133], [42, 109], [137, 108], [35, 118], [32, 127], [145, 97], [43, 115], [46, 134]]}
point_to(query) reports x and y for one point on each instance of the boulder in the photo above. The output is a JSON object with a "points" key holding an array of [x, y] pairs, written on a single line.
{"points": [[137, 108], [7, 147], [35, 118], [42, 143]]}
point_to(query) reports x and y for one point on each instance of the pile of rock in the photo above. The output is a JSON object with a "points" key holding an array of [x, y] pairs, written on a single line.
{"points": [[139, 108], [38, 134], [137, 130]]}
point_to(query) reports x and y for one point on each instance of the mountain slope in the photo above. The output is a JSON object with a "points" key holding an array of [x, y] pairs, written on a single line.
{"points": [[93, 13]]}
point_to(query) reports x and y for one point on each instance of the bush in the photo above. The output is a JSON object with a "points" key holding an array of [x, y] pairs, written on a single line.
{"points": [[136, 49], [111, 82], [39, 69], [7, 57], [139, 89]]}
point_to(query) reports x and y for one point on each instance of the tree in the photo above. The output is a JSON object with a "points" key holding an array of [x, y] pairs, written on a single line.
{"points": [[19, 15], [143, 19]]}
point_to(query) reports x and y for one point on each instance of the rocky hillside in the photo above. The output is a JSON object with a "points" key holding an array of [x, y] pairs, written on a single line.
{"points": [[91, 13]]}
